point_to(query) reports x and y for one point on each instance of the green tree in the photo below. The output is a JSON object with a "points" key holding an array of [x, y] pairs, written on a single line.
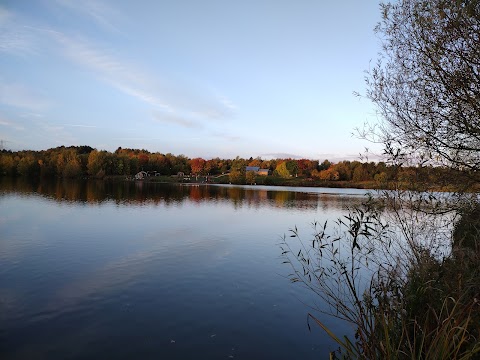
{"points": [[282, 170], [343, 169], [360, 174], [250, 177], [239, 164], [381, 178], [236, 177], [324, 165], [292, 167]]}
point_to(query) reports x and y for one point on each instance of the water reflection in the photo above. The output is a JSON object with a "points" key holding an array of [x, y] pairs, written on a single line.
{"points": [[142, 193], [97, 267]]}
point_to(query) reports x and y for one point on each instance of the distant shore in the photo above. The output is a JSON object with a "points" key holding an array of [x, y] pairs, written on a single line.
{"points": [[278, 181]]}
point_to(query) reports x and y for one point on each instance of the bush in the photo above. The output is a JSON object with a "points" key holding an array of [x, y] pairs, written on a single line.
{"points": [[403, 300]]}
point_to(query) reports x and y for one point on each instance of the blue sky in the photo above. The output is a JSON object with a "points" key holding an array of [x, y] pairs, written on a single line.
{"points": [[200, 78]]}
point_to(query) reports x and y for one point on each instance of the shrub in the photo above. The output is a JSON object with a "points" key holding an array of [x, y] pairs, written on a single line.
{"points": [[403, 300]]}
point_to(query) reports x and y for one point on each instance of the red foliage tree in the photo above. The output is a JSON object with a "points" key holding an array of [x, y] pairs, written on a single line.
{"points": [[197, 165]]}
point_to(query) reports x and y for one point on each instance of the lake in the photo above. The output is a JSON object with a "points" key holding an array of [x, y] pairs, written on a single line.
{"points": [[97, 269]]}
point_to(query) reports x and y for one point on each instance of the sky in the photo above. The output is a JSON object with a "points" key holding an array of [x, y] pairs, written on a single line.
{"points": [[261, 78]]}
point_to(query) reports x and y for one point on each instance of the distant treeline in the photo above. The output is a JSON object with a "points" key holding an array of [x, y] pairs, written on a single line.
{"points": [[85, 161]]}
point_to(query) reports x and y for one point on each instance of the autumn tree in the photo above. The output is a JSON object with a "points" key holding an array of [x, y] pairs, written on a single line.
{"points": [[327, 175], [95, 165], [159, 162], [250, 177], [236, 177], [68, 163], [426, 85], [360, 174], [212, 166], [28, 165], [256, 162], [381, 178], [239, 164], [306, 166], [7, 164], [143, 161], [197, 166], [343, 168], [282, 170], [72, 168]]}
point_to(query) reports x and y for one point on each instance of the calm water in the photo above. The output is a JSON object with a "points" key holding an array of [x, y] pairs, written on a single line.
{"points": [[136, 270]]}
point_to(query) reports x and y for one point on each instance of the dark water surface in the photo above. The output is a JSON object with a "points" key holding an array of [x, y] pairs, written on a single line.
{"points": [[98, 270]]}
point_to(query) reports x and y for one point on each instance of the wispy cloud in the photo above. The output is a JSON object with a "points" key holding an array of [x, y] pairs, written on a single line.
{"points": [[137, 138], [81, 126], [183, 100], [98, 11], [226, 136], [173, 101], [15, 39], [122, 76], [38, 134], [350, 157], [228, 103], [105, 65], [11, 124], [169, 118], [21, 96], [32, 115], [282, 156]]}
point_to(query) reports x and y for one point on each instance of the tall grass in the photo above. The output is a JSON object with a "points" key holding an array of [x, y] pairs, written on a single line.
{"points": [[385, 276]]}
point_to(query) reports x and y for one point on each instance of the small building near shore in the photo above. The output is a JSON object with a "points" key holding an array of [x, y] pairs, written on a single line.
{"points": [[252, 168], [264, 172], [257, 170], [141, 175]]}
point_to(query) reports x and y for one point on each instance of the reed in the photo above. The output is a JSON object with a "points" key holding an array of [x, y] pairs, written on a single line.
{"points": [[403, 301]]}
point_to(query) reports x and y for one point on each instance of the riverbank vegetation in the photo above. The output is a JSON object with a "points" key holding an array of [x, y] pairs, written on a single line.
{"points": [[84, 161], [404, 268]]}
